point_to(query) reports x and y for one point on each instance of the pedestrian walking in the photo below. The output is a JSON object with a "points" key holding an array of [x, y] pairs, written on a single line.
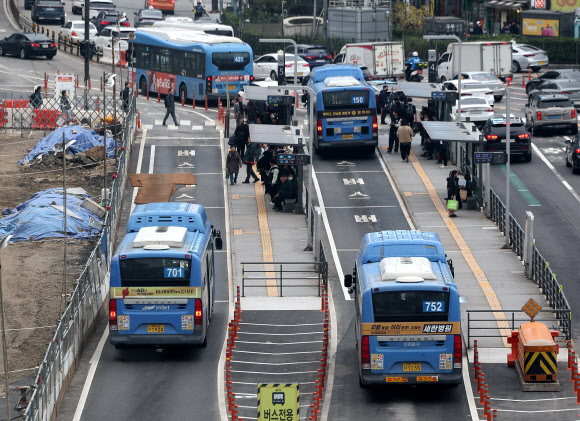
{"points": [[125, 96], [384, 102], [170, 106], [233, 165], [453, 192], [252, 112], [36, 98], [250, 158], [442, 152], [395, 124], [242, 133], [65, 105], [405, 135]]}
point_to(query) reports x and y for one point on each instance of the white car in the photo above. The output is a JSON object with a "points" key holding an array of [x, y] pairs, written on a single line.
{"points": [[469, 89], [267, 66], [488, 80], [75, 30], [104, 39], [474, 109]]}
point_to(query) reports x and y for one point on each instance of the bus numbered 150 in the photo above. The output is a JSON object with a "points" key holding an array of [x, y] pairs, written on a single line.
{"points": [[190, 62], [345, 108], [162, 283], [408, 320]]}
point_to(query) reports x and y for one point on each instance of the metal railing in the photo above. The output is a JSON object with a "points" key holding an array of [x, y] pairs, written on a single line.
{"points": [[278, 275], [538, 269], [490, 324], [86, 302]]}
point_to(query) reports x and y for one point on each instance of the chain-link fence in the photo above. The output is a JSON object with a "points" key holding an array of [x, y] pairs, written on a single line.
{"points": [[86, 302]]}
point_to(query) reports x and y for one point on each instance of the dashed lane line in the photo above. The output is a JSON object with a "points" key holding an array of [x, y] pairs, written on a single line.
{"points": [[556, 173]]}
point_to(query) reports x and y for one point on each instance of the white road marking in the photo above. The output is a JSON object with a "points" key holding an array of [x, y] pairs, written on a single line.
{"points": [[468, 390], [152, 159], [365, 218], [139, 164], [196, 127], [277, 363], [556, 173]]}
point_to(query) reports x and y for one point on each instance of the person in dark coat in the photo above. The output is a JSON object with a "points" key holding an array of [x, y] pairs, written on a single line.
{"points": [[285, 191], [250, 158], [263, 165], [395, 124], [384, 102], [515, 28], [453, 191], [170, 106], [125, 96], [36, 98], [233, 164], [252, 112], [242, 133]]}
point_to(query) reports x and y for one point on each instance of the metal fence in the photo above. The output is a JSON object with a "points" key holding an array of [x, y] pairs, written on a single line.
{"points": [[537, 267], [86, 302]]}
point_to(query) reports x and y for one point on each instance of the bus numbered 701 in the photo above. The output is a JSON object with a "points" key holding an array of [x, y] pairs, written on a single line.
{"points": [[190, 62], [345, 108], [408, 320], [162, 284]]}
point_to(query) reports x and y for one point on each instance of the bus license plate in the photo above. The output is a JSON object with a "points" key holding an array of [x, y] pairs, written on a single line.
{"points": [[231, 87], [300, 73], [412, 367], [347, 136], [157, 328]]}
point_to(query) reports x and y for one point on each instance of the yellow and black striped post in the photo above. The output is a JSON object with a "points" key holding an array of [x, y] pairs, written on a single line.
{"points": [[538, 353]]}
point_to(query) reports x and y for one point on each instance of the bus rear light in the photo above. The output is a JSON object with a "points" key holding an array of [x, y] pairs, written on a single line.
{"points": [[457, 351], [539, 115], [375, 125], [319, 128], [365, 353], [198, 319], [113, 314]]}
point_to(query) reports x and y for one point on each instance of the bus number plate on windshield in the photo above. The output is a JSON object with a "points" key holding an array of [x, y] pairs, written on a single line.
{"points": [[412, 367], [347, 136], [231, 87], [156, 328]]}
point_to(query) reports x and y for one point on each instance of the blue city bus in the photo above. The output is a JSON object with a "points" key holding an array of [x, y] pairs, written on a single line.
{"points": [[162, 283], [408, 320], [345, 108], [190, 62]]}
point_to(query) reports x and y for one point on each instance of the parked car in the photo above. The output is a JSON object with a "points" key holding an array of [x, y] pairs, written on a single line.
{"points": [[526, 56], [147, 17], [167, 6], [551, 111], [488, 80], [110, 18], [104, 39], [570, 88], [99, 5], [473, 109], [315, 55], [469, 89], [267, 66], [573, 154], [494, 132], [75, 30], [573, 74], [48, 10], [77, 7], [28, 44], [28, 4]]}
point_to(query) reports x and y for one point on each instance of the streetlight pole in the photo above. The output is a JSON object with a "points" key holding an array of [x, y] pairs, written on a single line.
{"points": [[283, 40], [507, 169], [3, 244]]}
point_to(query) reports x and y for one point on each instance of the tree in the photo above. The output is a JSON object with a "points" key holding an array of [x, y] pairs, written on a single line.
{"points": [[409, 18]]}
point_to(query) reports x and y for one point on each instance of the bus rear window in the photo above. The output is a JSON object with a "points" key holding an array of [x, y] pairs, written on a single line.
{"points": [[410, 306], [338, 100], [155, 272], [230, 61]]}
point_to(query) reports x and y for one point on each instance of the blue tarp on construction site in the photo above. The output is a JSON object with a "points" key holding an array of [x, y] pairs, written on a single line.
{"points": [[42, 217], [85, 139]]}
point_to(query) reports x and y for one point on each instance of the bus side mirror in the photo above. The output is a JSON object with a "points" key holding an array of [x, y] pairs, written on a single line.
{"points": [[348, 281]]}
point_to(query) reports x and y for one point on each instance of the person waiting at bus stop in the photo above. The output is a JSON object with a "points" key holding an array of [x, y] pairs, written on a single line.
{"points": [[284, 192], [250, 158]]}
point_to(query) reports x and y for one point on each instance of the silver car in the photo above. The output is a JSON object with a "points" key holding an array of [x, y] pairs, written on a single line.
{"points": [[526, 56], [570, 88], [551, 111], [488, 80]]}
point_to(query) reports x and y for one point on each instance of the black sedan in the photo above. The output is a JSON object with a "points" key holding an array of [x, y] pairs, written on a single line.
{"points": [[573, 154], [28, 44], [110, 18], [572, 74], [147, 17]]}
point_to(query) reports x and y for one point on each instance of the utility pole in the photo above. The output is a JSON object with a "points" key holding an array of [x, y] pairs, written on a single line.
{"points": [[314, 21], [325, 19], [88, 50], [3, 244]]}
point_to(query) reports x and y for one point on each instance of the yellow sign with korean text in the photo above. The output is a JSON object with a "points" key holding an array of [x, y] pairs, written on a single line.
{"points": [[411, 328], [541, 27], [278, 402], [155, 292]]}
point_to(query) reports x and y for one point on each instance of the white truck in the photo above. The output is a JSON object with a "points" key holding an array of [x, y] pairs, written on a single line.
{"points": [[492, 57], [383, 59]]}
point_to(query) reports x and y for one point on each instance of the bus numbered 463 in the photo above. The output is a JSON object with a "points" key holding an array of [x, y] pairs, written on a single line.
{"points": [[190, 62], [345, 109], [162, 284], [408, 320]]}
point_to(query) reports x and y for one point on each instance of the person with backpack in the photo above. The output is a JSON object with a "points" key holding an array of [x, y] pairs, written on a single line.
{"points": [[250, 158], [36, 98], [252, 112], [395, 123], [170, 107], [410, 111], [242, 134]]}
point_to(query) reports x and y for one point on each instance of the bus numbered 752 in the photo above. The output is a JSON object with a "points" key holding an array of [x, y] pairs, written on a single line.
{"points": [[408, 320], [162, 284]]}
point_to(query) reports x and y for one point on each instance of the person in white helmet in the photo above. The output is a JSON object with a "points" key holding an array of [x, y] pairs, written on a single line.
{"points": [[412, 64]]}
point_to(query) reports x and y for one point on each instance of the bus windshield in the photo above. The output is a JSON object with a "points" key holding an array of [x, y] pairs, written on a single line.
{"points": [[347, 99], [230, 61], [155, 271], [410, 306]]}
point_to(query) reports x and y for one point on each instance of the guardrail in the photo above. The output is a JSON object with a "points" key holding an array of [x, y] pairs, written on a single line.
{"points": [[537, 268], [86, 302], [279, 273]]}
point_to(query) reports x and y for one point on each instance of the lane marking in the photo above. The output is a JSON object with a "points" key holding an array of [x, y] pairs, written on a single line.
{"points": [[278, 363], [520, 187], [139, 165], [556, 173], [534, 412], [468, 389], [277, 353], [529, 400], [274, 374], [267, 252], [152, 159], [279, 334], [482, 280], [364, 206], [281, 343], [270, 324]]}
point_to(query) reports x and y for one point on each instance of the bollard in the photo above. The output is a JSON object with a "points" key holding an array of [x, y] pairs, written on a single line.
{"points": [[569, 356], [494, 417], [77, 76], [101, 83], [481, 388], [147, 94], [90, 85], [206, 102], [98, 102], [183, 99], [194, 100], [574, 365], [138, 120], [529, 75], [575, 379], [486, 402], [45, 82], [509, 79], [523, 81], [158, 97]]}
